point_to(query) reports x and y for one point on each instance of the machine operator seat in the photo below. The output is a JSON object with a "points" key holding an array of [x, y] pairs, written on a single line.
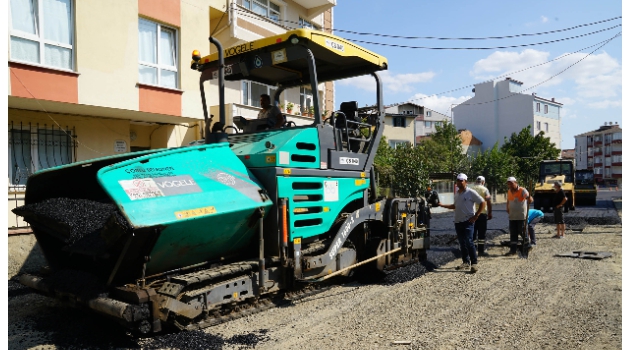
{"points": [[350, 110]]}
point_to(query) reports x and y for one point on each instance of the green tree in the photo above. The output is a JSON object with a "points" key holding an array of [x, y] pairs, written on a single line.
{"points": [[528, 151], [495, 165], [410, 174], [383, 163]]}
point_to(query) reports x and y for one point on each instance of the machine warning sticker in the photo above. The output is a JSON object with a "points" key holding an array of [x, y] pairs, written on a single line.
{"points": [[331, 193], [141, 189], [279, 56], [284, 158], [185, 214], [334, 45], [349, 161]]}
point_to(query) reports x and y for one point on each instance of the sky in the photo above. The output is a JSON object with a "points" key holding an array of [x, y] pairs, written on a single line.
{"points": [[590, 90]]}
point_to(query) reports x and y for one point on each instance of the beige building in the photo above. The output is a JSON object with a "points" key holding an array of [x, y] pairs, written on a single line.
{"points": [[601, 151], [94, 78]]}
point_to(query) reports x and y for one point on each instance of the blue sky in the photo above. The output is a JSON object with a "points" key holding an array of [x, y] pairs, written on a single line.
{"points": [[591, 90]]}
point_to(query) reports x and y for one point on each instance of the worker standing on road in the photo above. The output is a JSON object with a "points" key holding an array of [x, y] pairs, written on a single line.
{"points": [[518, 201], [480, 226], [535, 216], [464, 217], [559, 199]]}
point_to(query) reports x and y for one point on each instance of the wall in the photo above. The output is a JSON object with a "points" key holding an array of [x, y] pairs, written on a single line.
{"points": [[399, 133], [107, 53]]}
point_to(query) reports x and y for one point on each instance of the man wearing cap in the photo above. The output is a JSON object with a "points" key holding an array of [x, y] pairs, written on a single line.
{"points": [[518, 201], [480, 226], [464, 217]]}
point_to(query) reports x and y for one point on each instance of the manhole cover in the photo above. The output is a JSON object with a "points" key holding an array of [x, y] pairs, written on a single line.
{"points": [[586, 255]]}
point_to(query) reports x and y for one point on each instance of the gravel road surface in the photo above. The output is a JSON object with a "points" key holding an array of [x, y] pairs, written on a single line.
{"points": [[544, 302]]}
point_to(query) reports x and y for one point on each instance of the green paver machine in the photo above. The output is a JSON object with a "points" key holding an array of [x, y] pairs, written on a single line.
{"points": [[210, 232]]}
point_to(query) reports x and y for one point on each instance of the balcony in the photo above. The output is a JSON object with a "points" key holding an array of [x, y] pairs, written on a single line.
{"points": [[315, 7]]}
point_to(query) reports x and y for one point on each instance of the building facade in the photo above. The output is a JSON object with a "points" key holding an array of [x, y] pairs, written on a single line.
{"points": [[499, 109], [91, 78], [601, 150], [410, 123]]}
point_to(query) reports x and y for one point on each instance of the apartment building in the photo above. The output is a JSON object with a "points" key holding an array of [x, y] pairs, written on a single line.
{"points": [[499, 109], [601, 150], [410, 123], [91, 78]]}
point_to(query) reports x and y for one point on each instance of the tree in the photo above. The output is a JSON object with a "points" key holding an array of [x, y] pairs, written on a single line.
{"points": [[410, 174], [383, 163], [528, 151], [495, 166]]}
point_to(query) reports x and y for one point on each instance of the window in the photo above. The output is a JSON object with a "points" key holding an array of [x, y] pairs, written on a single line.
{"points": [[42, 32], [617, 159], [408, 112], [607, 138], [598, 160], [537, 106], [607, 161], [607, 172], [597, 171], [307, 24], [538, 125], [32, 149], [546, 109], [306, 98], [597, 138], [399, 122], [395, 143], [607, 150], [157, 54], [617, 136], [546, 127], [428, 113], [438, 124], [251, 92], [427, 125], [263, 8]]}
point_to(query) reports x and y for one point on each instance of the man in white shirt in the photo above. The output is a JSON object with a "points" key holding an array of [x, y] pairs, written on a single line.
{"points": [[464, 217]]}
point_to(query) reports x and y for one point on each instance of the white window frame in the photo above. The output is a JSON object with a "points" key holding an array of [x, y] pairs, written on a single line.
{"points": [[394, 143], [546, 127], [305, 23], [157, 66], [306, 95], [39, 36], [546, 109], [267, 4], [537, 106], [538, 123], [427, 124], [428, 113], [270, 92], [438, 124]]}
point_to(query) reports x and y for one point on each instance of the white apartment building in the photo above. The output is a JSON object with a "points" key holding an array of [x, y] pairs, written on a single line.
{"points": [[499, 109]]}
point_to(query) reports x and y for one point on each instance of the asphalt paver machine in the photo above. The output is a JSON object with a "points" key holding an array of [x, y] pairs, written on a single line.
{"points": [[194, 236]]}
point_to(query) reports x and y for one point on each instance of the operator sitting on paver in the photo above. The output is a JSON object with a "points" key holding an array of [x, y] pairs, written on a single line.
{"points": [[274, 117]]}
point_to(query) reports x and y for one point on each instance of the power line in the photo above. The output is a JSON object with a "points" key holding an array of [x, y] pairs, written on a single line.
{"points": [[482, 48], [256, 16], [546, 80], [477, 38], [504, 75]]}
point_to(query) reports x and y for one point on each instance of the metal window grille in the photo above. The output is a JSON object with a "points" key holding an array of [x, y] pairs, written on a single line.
{"points": [[34, 147]]}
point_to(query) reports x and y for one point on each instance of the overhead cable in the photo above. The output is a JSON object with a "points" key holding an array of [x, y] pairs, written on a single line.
{"points": [[482, 48]]}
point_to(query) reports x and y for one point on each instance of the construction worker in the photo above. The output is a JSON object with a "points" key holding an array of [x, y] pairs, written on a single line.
{"points": [[518, 201], [480, 226]]}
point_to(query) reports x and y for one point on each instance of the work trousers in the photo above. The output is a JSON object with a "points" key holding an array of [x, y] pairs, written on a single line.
{"points": [[532, 232], [464, 230], [516, 230], [480, 232]]}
